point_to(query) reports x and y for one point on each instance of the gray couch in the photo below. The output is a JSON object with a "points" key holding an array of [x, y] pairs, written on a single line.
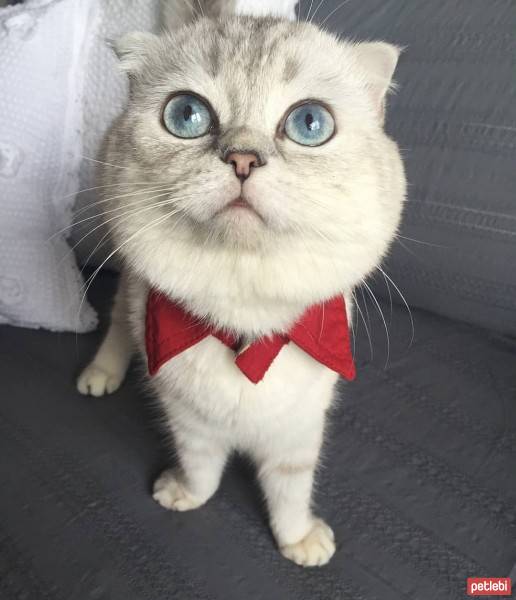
{"points": [[419, 474]]}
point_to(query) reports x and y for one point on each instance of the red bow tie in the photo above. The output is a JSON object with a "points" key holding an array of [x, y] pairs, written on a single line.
{"points": [[322, 332]]}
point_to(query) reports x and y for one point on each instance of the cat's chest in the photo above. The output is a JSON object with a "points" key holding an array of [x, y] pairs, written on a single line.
{"points": [[206, 375]]}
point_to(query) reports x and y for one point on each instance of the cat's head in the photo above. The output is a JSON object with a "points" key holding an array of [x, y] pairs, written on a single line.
{"points": [[269, 135]]}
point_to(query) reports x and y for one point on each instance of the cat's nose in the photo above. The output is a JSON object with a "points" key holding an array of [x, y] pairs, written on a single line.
{"points": [[243, 163]]}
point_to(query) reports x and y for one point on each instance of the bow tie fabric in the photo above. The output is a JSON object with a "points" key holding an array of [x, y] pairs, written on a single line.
{"points": [[322, 332]]}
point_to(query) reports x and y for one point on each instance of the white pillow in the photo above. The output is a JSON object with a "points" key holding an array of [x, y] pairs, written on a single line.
{"points": [[259, 8], [43, 44]]}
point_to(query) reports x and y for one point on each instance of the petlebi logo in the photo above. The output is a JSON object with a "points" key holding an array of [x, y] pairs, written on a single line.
{"points": [[489, 586]]}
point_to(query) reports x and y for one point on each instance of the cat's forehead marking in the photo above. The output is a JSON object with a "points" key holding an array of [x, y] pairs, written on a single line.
{"points": [[291, 69], [257, 61], [235, 101], [268, 52], [214, 59], [250, 49]]}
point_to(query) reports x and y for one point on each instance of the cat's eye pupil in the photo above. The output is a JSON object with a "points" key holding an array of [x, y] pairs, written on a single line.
{"points": [[187, 116], [310, 124], [188, 113]]}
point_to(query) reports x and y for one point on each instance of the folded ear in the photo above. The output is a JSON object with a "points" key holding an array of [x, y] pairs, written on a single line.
{"points": [[133, 50], [378, 60]]}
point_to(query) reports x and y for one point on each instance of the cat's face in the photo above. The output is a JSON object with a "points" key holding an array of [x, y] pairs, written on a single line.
{"points": [[269, 133]]}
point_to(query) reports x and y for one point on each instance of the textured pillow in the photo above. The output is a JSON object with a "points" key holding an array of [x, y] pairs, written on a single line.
{"points": [[42, 45], [455, 118]]}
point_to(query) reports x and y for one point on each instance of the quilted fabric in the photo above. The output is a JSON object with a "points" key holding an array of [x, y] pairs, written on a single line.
{"points": [[455, 119], [417, 480], [42, 44]]}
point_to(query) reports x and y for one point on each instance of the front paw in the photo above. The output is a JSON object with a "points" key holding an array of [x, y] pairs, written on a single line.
{"points": [[98, 381], [315, 549], [171, 494]]}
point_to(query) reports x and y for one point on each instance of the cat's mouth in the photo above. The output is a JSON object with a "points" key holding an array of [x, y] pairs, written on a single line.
{"points": [[239, 205]]}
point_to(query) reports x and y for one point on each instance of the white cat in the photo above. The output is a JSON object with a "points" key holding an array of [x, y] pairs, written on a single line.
{"points": [[253, 182]]}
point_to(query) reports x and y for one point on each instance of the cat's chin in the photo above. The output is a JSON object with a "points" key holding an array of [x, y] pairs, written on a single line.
{"points": [[239, 225]]}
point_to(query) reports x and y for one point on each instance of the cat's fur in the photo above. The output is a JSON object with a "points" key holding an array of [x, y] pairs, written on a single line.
{"points": [[328, 216]]}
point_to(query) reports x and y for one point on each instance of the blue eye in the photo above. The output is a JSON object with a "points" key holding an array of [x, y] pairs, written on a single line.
{"points": [[187, 116], [310, 125]]}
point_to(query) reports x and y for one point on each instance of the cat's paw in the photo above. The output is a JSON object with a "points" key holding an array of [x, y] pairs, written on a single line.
{"points": [[97, 381], [172, 495], [315, 549]]}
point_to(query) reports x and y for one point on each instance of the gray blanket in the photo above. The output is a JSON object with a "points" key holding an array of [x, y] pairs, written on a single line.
{"points": [[417, 480]]}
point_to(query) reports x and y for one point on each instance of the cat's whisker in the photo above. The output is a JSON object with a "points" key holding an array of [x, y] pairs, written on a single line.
{"points": [[366, 310], [409, 239], [104, 239], [99, 215], [199, 3], [317, 10], [310, 10], [404, 302], [491, 126], [365, 323], [133, 202], [377, 304], [333, 12], [108, 164], [391, 307], [408, 249], [354, 329], [89, 281], [172, 187], [100, 187], [122, 218], [351, 321], [125, 213], [135, 213]]}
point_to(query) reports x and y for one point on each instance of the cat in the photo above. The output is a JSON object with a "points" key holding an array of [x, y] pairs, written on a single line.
{"points": [[255, 188]]}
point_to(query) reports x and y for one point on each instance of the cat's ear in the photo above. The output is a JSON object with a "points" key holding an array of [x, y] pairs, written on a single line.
{"points": [[133, 50], [378, 60]]}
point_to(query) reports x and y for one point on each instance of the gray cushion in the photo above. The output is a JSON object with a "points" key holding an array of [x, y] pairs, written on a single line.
{"points": [[455, 118], [417, 480]]}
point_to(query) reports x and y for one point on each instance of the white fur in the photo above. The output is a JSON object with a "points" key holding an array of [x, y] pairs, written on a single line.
{"points": [[328, 216]]}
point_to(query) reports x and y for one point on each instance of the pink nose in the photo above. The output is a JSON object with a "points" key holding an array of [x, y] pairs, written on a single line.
{"points": [[243, 163]]}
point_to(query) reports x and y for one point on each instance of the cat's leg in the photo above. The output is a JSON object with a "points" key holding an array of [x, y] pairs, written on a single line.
{"points": [[107, 370], [286, 474], [201, 459]]}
